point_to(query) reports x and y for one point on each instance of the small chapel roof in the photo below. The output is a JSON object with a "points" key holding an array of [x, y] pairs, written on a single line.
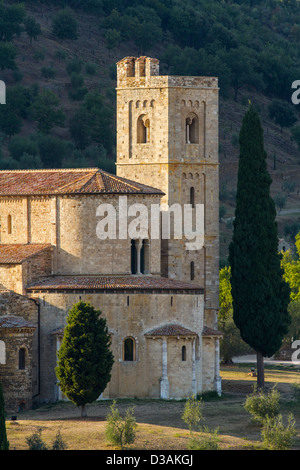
{"points": [[17, 253], [14, 321], [211, 332], [171, 330], [114, 283], [179, 330], [68, 181]]}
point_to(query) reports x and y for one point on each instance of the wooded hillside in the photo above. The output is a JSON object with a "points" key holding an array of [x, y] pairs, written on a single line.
{"points": [[58, 61]]}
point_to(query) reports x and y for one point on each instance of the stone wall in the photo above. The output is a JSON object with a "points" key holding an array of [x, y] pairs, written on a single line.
{"points": [[19, 385], [173, 158], [69, 223], [130, 315], [16, 277]]}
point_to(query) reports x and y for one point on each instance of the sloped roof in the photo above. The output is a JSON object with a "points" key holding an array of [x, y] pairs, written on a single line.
{"points": [[13, 321], [17, 253], [178, 330], [211, 332], [68, 181], [131, 283], [171, 330]]}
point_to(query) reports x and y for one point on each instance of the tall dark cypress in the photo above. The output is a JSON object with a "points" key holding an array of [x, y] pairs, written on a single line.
{"points": [[4, 444], [260, 295]]}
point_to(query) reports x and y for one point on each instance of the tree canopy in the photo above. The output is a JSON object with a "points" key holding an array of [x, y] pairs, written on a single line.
{"points": [[260, 294], [84, 358]]}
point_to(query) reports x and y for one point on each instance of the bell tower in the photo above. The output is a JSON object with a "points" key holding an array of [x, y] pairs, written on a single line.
{"points": [[167, 137]]}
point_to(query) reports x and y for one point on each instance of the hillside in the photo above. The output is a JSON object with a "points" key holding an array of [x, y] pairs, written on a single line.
{"points": [[94, 48]]}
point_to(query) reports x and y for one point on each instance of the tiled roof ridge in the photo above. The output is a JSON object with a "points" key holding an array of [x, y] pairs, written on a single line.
{"points": [[211, 332], [68, 181], [95, 176], [171, 329], [88, 177], [133, 184], [21, 251], [50, 170], [10, 320], [125, 180], [111, 282]]}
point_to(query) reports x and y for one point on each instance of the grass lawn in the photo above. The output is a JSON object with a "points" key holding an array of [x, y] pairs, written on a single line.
{"points": [[160, 424]]}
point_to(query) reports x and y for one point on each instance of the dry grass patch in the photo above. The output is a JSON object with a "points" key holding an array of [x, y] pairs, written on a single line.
{"points": [[160, 424]]}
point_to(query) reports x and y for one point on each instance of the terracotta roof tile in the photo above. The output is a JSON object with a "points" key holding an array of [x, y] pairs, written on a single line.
{"points": [[13, 321], [171, 330], [17, 253], [138, 283], [66, 181], [211, 332]]}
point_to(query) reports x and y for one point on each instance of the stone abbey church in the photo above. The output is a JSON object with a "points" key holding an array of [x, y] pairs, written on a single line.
{"points": [[158, 295]]}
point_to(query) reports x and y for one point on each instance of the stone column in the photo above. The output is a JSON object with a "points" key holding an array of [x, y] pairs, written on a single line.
{"points": [[217, 367], [138, 255], [58, 392], [194, 381], [164, 382]]}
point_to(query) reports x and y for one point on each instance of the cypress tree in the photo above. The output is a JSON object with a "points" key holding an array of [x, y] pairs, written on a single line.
{"points": [[84, 358], [4, 444], [260, 295]]}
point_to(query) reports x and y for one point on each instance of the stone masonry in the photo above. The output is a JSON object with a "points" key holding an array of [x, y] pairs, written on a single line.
{"points": [[159, 298]]}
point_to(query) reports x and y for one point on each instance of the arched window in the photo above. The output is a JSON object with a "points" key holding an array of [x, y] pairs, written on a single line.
{"points": [[183, 353], [192, 197], [192, 268], [9, 224], [22, 359], [143, 130], [129, 349], [192, 129]]}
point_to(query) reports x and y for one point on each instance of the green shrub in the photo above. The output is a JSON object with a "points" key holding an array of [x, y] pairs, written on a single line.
{"points": [[277, 436], [48, 72], [120, 431], [296, 391], [74, 66], [65, 25], [206, 441], [192, 413], [262, 405], [58, 443], [39, 55], [35, 441], [17, 146], [60, 54], [91, 68]]}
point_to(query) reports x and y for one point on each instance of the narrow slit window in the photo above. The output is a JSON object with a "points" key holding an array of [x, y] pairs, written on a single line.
{"points": [[133, 257], [183, 353], [192, 268], [21, 359], [9, 224], [192, 197]]}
